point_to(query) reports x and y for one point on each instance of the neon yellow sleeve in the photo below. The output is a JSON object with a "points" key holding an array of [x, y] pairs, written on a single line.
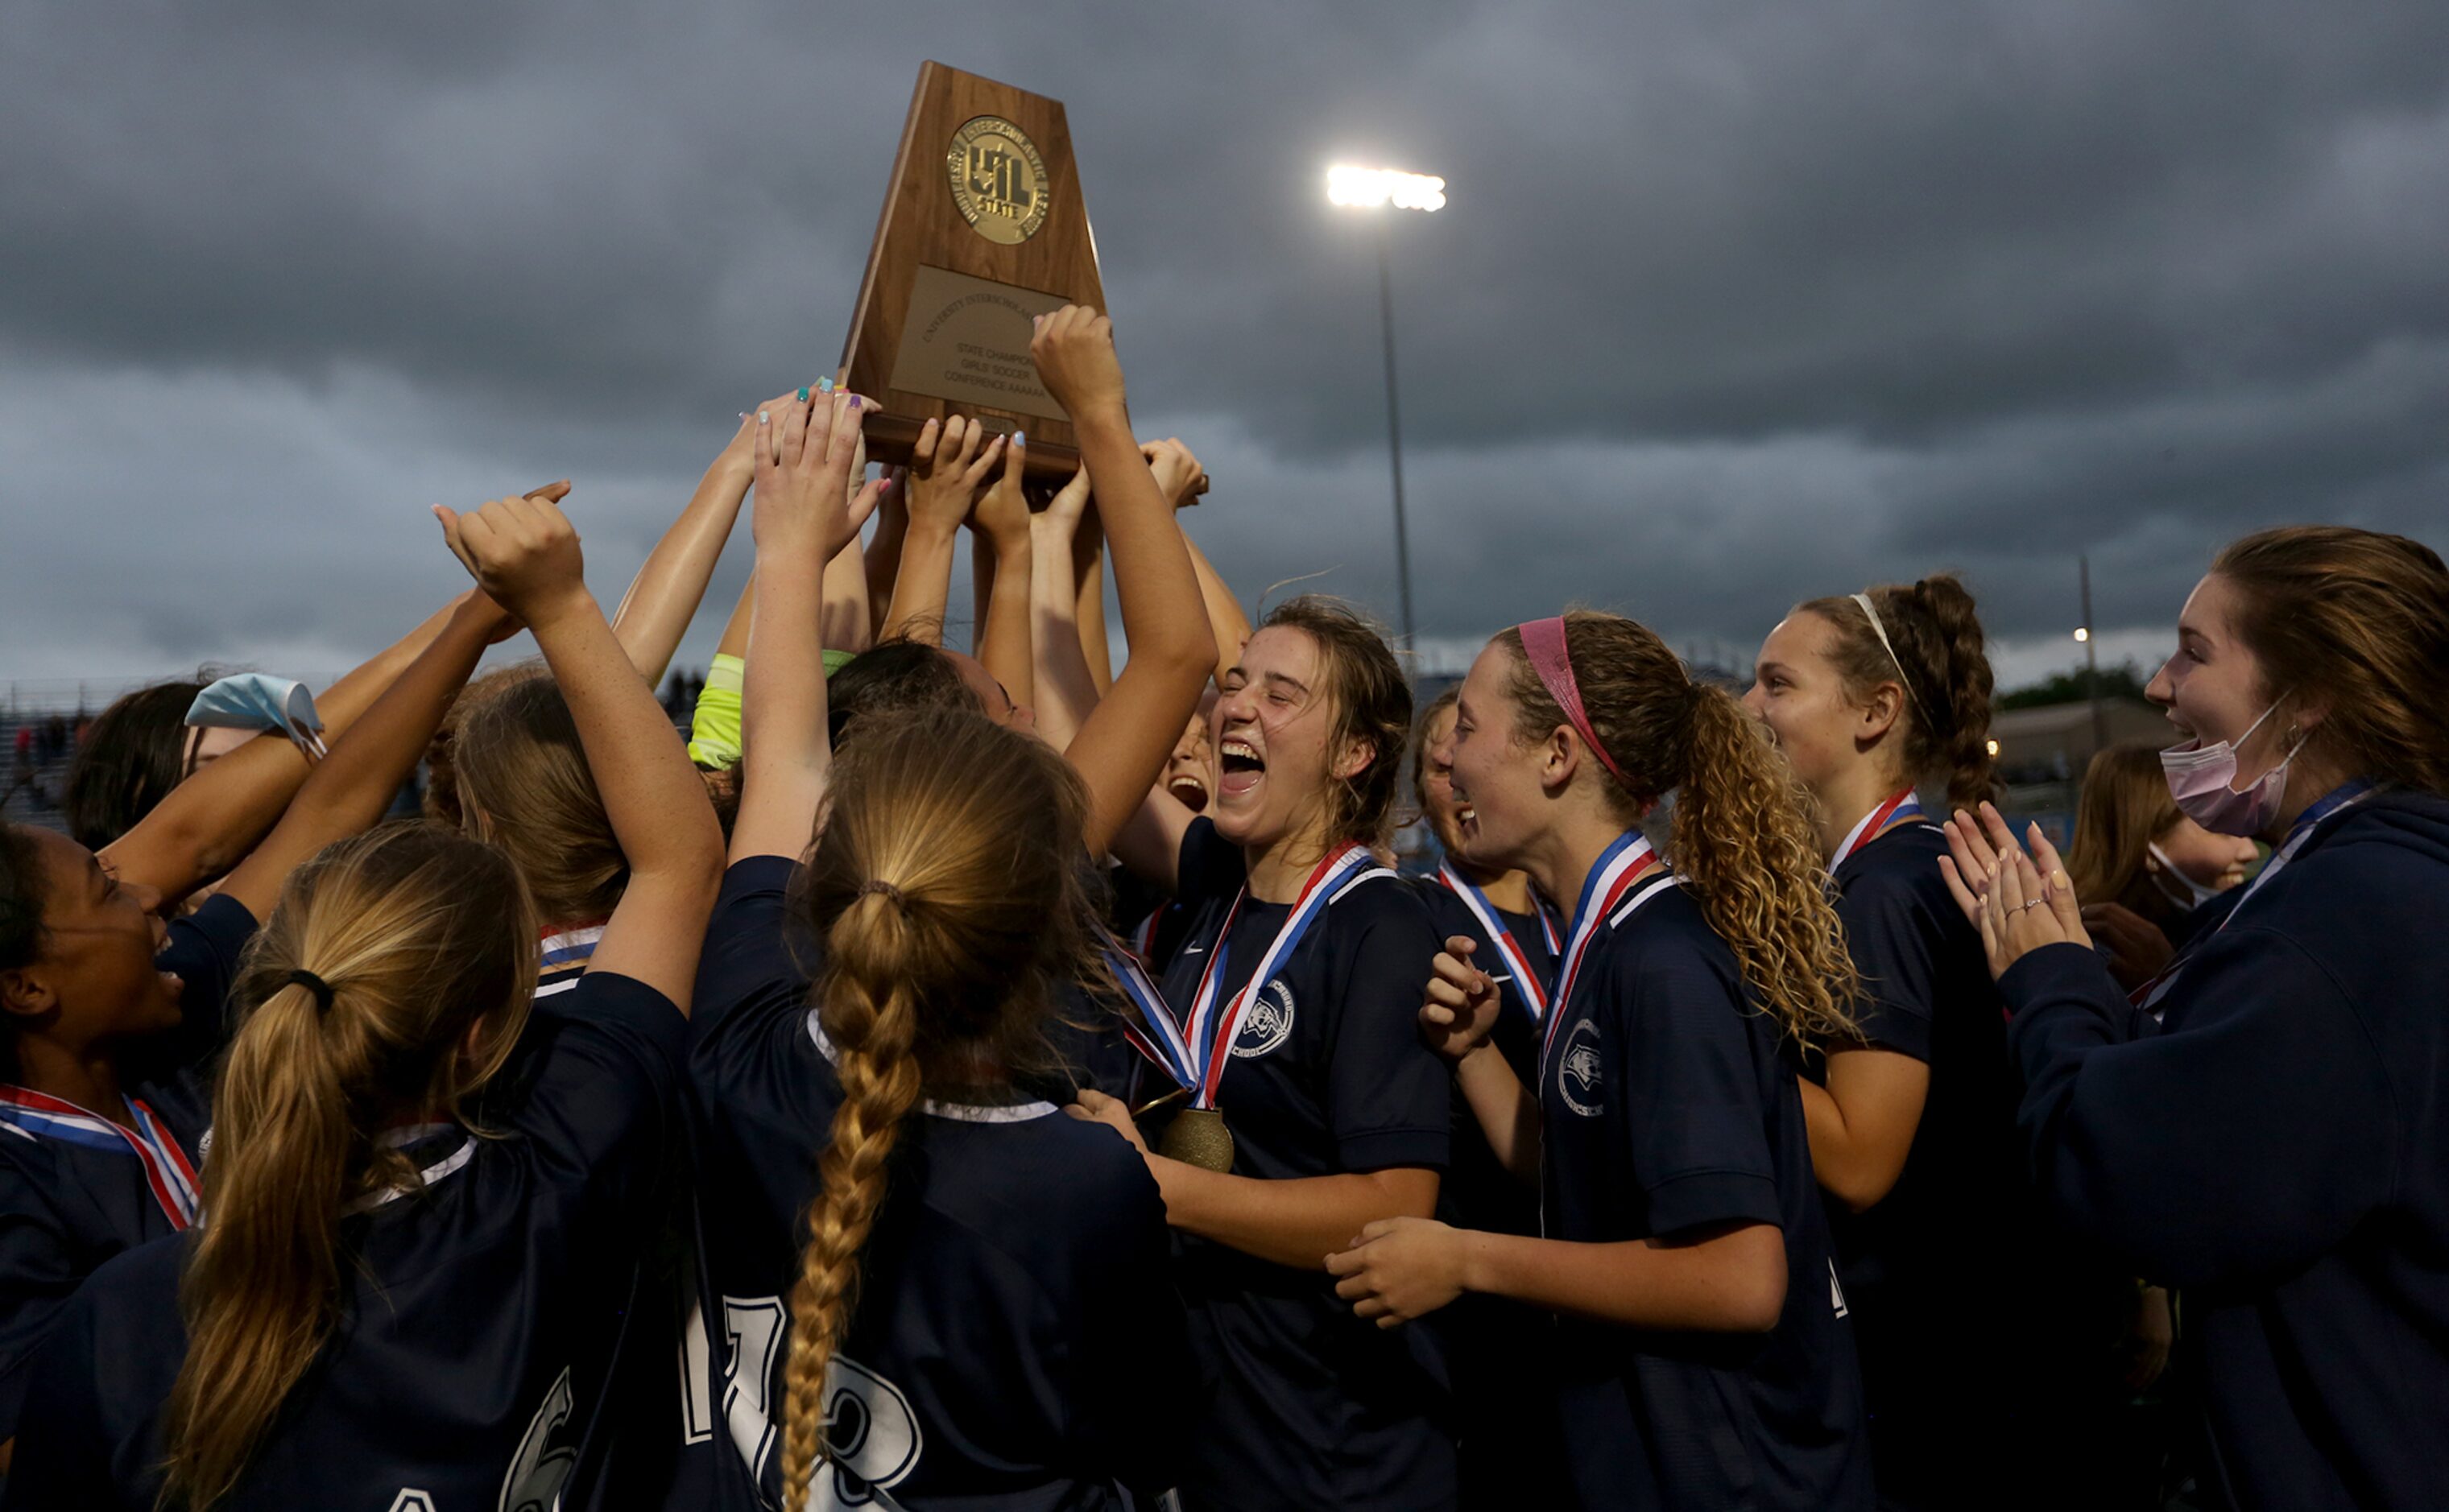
{"points": [[714, 731]]}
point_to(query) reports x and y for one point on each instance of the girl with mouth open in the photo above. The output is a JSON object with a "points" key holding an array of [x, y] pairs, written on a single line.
{"points": [[1666, 1135], [2263, 1122], [1313, 1109]]}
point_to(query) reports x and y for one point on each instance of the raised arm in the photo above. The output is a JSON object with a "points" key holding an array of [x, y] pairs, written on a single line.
{"points": [[999, 537], [1179, 473], [525, 554], [665, 595], [881, 559], [1124, 743], [1066, 690], [353, 787], [801, 520], [209, 822], [946, 468]]}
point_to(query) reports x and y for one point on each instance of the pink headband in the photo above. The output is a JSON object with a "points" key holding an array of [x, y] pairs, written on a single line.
{"points": [[1543, 643]]}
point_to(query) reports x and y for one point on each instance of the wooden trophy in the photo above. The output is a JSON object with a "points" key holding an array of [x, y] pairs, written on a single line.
{"points": [[983, 230]]}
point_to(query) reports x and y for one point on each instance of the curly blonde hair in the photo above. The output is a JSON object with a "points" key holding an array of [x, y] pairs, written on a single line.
{"points": [[1743, 838]]}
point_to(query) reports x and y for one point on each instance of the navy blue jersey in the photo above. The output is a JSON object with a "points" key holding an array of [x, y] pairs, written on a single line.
{"points": [[481, 1314], [72, 1196], [1933, 1273], [1304, 1404], [1478, 1192], [2278, 1147], [1016, 1344], [1511, 1454], [1668, 1105]]}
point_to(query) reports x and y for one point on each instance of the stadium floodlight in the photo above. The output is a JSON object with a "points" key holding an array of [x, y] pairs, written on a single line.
{"points": [[1379, 189], [1369, 188]]}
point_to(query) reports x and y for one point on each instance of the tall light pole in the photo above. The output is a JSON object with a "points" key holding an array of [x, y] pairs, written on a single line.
{"points": [[2091, 658], [1385, 189]]}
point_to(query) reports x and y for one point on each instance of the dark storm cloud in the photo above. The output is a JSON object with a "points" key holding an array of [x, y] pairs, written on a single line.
{"points": [[1734, 303]]}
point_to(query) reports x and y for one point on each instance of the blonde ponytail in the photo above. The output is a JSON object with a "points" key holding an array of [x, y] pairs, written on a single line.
{"points": [[870, 1018], [948, 885], [418, 935]]}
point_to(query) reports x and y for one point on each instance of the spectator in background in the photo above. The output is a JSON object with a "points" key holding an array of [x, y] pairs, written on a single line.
{"points": [[2142, 869], [137, 750]]}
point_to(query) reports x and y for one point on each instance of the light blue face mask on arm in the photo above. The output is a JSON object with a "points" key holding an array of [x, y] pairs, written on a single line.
{"points": [[256, 701]]}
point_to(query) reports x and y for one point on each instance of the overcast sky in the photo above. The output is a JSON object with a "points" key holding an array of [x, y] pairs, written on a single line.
{"points": [[1734, 303]]}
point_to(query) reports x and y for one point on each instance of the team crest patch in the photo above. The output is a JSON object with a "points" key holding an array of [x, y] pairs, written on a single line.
{"points": [[1266, 1023], [1577, 1071]]}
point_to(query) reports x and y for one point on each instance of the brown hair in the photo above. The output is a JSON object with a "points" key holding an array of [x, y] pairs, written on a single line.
{"points": [[1371, 703], [949, 884], [2125, 807], [524, 785], [442, 801], [1743, 840], [1419, 755], [1941, 665], [130, 758], [2363, 618], [421, 934]]}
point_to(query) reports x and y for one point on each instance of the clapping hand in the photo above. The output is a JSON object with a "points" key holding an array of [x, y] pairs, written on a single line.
{"points": [[2021, 902]]}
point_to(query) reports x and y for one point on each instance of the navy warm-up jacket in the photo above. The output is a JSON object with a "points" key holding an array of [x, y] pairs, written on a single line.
{"points": [[2278, 1147]]}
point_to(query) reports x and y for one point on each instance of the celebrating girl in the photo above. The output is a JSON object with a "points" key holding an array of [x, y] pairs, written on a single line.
{"points": [[408, 1289], [2261, 1124], [1666, 1133]]}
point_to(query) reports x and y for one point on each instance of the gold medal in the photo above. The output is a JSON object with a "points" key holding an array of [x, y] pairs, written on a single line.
{"points": [[1198, 1137]]}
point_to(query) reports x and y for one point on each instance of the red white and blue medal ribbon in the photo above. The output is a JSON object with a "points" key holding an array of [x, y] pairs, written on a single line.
{"points": [[1874, 824], [1621, 868], [1196, 1053], [1533, 987], [167, 1171]]}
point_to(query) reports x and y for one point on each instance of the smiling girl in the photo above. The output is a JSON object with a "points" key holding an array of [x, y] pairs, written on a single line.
{"points": [[1708, 1362], [1314, 1108], [2263, 1123]]}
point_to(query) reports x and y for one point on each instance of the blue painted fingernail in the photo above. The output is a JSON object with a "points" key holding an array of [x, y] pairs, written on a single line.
{"points": [[803, 395], [1019, 438], [823, 386], [762, 417]]}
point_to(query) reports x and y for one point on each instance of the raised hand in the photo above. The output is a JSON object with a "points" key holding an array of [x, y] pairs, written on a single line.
{"points": [[1178, 473], [1001, 512], [523, 552], [805, 457], [1460, 1009], [947, 465], [1070, 502], [1074, 350]]}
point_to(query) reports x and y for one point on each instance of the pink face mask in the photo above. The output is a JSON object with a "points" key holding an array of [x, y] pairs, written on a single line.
{"points": [[2202, 778]]}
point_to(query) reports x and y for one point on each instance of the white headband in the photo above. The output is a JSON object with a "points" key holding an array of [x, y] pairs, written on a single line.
{"points": [[1894, 660]]}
